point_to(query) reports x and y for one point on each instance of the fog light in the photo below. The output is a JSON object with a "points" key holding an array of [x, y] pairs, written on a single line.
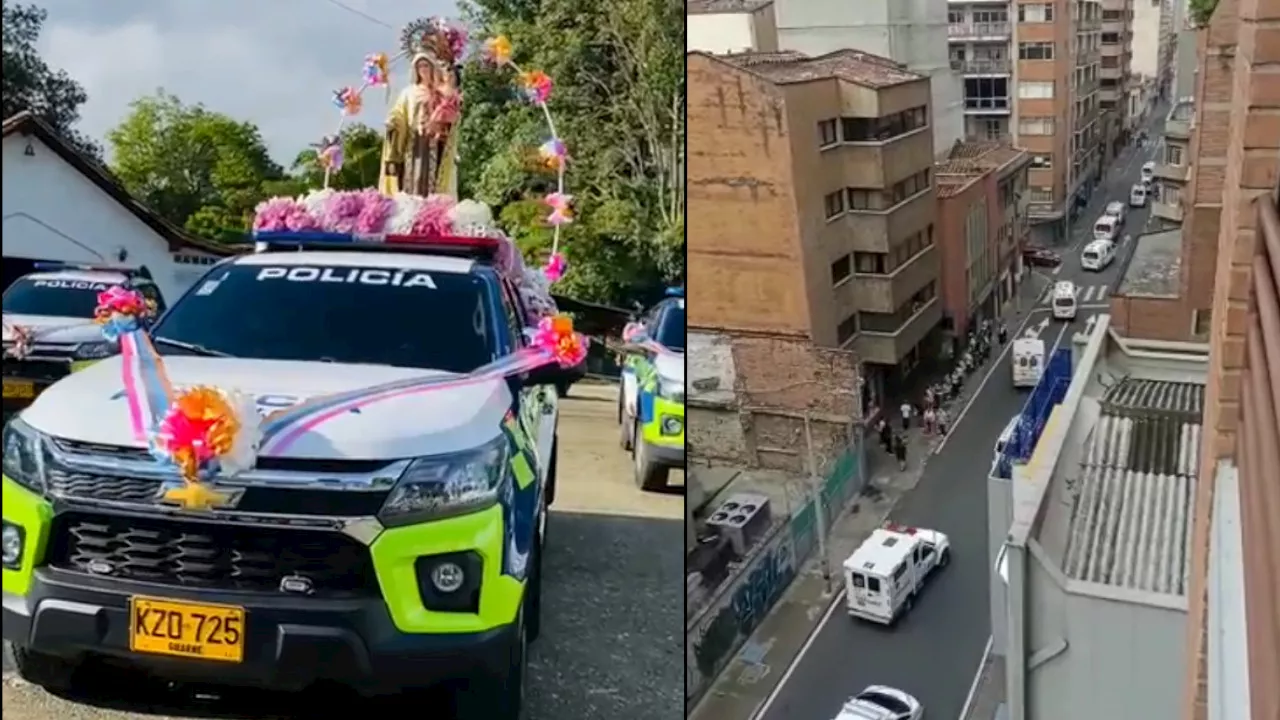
{"points": [[12, 539], [447, 577], [672, 425]]}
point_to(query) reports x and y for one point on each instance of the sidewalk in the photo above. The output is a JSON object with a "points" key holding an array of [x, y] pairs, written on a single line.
{"points": [[751, 676]]}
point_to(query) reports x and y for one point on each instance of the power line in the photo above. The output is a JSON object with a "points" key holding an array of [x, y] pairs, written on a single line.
{"points": [[362, 14]]}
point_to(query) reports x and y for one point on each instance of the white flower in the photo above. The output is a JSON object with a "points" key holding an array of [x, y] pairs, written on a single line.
{"points": [[315, 200], [406, 209], [244, 448], [471, 218]]}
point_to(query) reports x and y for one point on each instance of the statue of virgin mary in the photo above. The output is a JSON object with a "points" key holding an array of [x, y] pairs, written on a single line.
{"points": [[420, 148]]}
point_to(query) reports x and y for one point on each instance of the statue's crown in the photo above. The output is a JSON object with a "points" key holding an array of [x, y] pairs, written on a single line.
{"points": [[433, 36]]}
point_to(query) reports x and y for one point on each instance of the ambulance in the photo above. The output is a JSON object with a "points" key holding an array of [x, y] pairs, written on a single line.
{"points": [[1027, 361], [884, 575]]}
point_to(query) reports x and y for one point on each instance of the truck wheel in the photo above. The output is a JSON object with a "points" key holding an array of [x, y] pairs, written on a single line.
{"points": [[533, 598], [650, 476], [500, 698], [944, 558], [48, 671], [551, 471]]}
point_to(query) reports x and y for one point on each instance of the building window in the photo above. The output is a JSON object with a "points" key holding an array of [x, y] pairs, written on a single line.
{"points": [[1040, 195], [840, 270], [986, 93], [860, 199], [913, 245], [993, 128], [833, 204], [1035, 13], [1110, 61], [955, 17], [1035, 90], [1200, 323], [1110, 38], [827, 133], [1035, 126], [907, 188], [869, 263], [1109, 83], [1112, 15], [1042, 161], [847, 329], [1035, 51], [884, 128], [892, 322], [1173, 155]]}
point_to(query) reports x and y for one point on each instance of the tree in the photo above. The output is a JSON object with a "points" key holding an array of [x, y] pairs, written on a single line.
{"points": [[362, 151], [619, 105], [200, 169], [30, 84]]}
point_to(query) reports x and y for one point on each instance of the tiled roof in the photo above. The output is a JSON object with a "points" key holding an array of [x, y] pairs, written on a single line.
{"points": [[1131, 518], [712, 7], [977, 158], [853, 66], [950, 186]]}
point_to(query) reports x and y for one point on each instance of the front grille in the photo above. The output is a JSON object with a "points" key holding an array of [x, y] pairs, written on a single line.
{"points": [[46, 371], [209, 555], [302, 465], [281, 500]]}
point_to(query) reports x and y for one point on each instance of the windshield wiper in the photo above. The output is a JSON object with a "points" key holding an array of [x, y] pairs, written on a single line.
{"points": [[190, 347]]}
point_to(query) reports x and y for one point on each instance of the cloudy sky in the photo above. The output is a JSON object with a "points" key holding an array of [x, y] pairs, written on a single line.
{"points": [[273, 62]]}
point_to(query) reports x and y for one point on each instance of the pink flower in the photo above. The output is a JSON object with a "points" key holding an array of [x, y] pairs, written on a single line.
{"points": [[270, 215], [555, 268], [433, 217], [299, 220], [341, 212], [377, 210], [447, 110]]}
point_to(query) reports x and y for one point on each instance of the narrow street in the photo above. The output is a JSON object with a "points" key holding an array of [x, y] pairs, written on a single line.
{"points": [[610, 646], [936, 649]]}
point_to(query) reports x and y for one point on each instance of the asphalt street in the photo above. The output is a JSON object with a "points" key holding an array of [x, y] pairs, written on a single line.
{"points": [[612, 637], [936, 649]]}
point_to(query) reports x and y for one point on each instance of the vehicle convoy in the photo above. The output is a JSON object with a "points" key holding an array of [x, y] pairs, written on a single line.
{"points": [[651, 394], [1116, 209], [879, 702], [49, 331], [1138, 195], [1027, 361], [1097, 255], [1064, 300], [1107, 227], [889, 569]]}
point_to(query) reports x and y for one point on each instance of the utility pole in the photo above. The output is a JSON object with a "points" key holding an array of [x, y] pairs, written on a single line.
{"points": [[820, 512]]}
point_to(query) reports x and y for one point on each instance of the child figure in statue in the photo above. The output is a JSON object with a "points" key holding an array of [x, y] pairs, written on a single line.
{"points": [[419, 152]]}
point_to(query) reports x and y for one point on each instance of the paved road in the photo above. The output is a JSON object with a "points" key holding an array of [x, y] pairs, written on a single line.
{"points": [[935, 650], [612, 643]]}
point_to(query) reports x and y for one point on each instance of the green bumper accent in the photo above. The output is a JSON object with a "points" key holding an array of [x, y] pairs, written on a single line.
{"points": [[652, 430], [396, 549], [33, 514], [78, 365]]}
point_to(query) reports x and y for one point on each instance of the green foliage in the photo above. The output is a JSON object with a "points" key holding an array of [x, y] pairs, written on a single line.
{"points": [[1202, 11], [362, 149], [619, 105], [30, 84]]}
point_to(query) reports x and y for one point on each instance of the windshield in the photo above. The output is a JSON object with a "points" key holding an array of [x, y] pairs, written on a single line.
{"points": [[1102, 228], [888, 702], [60, 298], [382, 316], [1090, 254], [1064, 302], [671, 328]]}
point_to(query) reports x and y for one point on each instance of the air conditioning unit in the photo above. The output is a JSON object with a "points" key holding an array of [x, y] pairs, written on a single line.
{"points": [[742, 519]]}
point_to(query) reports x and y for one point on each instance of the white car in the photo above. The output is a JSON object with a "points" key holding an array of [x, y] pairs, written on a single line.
{"points": [[880, 702], [1148, 171], [1097, 255], [1138, 195], [1117, 210]]}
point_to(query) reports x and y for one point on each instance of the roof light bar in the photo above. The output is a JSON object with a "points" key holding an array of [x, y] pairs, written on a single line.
{"points": [[458, 245], [53, 265], [677, 292]]}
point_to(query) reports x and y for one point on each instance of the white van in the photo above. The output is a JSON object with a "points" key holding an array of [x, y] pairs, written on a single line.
{"points": [[1117, 210], [1138, 195], [1106, 228], [1148, 171], [1027, 361], [1097, 255], [884, 575], [1064, 300], [1006, 437]]}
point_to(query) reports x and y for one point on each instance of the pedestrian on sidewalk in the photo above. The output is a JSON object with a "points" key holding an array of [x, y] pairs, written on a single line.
{"points": [[1002, 334], [929, 417], [900, 451], [906, 415], [886, 436], [941, 421]]}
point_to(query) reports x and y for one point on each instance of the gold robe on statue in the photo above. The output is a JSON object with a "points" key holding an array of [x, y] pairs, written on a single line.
{"points": [[413, 162]]}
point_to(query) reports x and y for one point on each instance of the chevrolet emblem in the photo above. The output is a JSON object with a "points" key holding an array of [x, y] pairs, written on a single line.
{"points": [[198, 496]]}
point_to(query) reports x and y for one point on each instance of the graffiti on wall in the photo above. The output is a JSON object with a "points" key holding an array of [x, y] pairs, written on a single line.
{"points": [[738, 610]]}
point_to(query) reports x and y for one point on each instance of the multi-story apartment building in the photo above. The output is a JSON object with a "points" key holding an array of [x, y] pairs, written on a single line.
{"points": [[812, 203], [730, 26], [1172, 14], [1173, 167], [1117, 58], [979, 35], [913, 34]]}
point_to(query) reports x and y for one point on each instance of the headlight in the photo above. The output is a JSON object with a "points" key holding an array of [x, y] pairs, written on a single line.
{"points": [[95, 350], [23, 455], [447, 485], [671, 389]]}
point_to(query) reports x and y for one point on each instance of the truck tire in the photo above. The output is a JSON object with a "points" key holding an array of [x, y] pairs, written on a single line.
{"points": [[500, 698], [533, 595], [650, 476], [50, 672], [551, 471]]}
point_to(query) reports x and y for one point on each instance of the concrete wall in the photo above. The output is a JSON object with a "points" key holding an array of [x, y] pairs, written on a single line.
{"points": [[1184, 65], [912, 32], [720, 33], [1146, 39], [1098, 659]]}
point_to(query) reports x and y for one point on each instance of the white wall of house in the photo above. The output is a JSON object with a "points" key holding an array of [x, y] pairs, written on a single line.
{"points": [[720, 33], [53, 212]]}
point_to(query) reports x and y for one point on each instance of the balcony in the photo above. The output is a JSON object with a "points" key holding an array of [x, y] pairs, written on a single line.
{"points": [[888, 347], [979, 32], [1176, 174], [987, 105], [1165, 211], [884, 293], [983, 66], [871, 229], [1177, 129]]}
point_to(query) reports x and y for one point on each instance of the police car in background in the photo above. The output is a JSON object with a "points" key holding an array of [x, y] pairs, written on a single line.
{"points": [[55, 306], [652, 392], [392, 545]]}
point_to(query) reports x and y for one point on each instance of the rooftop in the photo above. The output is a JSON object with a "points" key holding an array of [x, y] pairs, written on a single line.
{"points": [[1156, 266], [714, 7], [855, 66], [969, 160]]}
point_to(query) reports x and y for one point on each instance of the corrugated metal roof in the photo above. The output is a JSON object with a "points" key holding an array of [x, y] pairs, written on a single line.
{"points": [[855, 66], [1131, 520], [711, 7]]}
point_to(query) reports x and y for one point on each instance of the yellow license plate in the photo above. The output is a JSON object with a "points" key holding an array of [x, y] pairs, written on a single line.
{"points": [[178, 629], [19, 389]]}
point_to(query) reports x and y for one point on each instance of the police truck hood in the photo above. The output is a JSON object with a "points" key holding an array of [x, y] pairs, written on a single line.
{"points": [[42, 324], [89, 406], [670, 366]]}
